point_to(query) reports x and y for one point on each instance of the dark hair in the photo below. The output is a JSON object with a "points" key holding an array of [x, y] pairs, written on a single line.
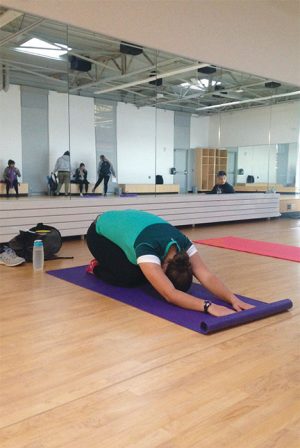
{"points": [[221, 173], [11, 162], [179, 271], [82, 164], [66, 153]]}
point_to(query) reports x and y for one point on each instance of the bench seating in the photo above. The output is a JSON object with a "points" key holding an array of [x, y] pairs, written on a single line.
{"points": [[23, 189], [263, 187], [149, 188], [75, 189]]}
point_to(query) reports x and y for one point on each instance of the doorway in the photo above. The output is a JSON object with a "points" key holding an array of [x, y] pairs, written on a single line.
{"points": [[180, 164]]}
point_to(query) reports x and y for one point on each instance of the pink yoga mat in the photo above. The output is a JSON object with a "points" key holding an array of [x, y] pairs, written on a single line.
{"points": [[274, 250]]}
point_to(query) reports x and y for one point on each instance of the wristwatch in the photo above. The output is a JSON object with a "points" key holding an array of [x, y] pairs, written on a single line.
{"points": [[207, 304]]}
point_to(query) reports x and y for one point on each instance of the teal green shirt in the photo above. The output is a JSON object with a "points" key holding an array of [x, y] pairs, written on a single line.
{"points": [[142, 236]]}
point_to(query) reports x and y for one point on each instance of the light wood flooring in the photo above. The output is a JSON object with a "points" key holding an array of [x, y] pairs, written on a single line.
{"points": [[79, 370]]}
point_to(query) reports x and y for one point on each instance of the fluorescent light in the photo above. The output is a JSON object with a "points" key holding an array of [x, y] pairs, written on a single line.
{"points": [[39, 47], [199, 84], [257, 100]]}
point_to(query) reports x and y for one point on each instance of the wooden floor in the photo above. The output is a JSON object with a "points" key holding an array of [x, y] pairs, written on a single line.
{"points": [[79, 370]]}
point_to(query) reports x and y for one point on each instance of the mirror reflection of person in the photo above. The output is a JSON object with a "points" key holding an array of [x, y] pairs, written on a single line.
{"points": [[63, 170], [105, 169], [222, 186], [11, 174], [132, 246], [80, 178]]}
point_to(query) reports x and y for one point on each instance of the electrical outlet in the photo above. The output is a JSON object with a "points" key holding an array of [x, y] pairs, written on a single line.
{"points": [[290, 206]]}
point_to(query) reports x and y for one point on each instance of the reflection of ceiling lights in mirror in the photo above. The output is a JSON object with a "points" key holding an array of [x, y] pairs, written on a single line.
{"points": [[200, 84], [254, 100], [110, 69], [39, 47]]}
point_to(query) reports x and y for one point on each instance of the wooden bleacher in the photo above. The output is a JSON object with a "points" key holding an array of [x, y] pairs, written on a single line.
{"points": [[73, 215]]}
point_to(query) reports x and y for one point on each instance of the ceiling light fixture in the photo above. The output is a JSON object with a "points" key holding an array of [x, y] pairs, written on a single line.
{"points": [[257, 100], [39, 47], [150, 78]]}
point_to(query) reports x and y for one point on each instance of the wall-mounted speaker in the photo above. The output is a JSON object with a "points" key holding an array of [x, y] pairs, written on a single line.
{"points": [[207, 70], [133, 50], [80, 64]]}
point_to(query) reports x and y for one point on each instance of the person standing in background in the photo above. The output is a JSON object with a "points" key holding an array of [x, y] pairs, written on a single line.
{"points": [[105, 169], [222, 186], [80, 178], [11, 174], [63, 169]]}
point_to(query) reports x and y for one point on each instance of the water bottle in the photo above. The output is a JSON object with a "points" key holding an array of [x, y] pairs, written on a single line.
{"points": [[38, 255]]}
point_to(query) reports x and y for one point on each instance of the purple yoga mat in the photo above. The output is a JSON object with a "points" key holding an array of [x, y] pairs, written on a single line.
{"points": [[147, 299]]}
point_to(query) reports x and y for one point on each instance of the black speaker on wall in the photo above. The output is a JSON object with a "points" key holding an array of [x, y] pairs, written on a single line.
{"points": [[133, 50], [80, 64]]}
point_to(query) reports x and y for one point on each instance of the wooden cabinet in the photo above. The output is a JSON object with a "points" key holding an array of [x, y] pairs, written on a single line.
{"points": [[208, 161]]}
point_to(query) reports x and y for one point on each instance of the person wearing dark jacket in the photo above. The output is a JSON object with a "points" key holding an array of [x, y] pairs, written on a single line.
{"points": [[80, 178], [222, 186], [11, 174], [105, 169]]}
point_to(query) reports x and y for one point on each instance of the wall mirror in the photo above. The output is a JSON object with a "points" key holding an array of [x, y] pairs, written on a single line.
{"points": [[158, 117]]}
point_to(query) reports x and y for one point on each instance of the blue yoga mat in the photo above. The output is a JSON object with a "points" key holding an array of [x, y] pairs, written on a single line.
{"points": [[147, 299]]}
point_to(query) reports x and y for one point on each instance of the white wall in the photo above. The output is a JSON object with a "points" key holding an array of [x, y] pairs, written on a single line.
{"points": [[199, 132], [81, 131], [165, 144], [58, 126], [251, 127], [135, 144], [260, 37], [10, 128], [258, 161], [82, 134]]}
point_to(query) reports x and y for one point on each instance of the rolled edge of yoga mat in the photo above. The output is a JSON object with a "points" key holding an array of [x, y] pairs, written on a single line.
{"points": [[214, 324]]}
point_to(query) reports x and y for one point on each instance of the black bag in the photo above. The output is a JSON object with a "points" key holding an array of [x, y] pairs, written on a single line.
{"points": [[22, 244], [52, 183]]}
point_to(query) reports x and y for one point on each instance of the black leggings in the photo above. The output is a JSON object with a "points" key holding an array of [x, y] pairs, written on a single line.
{"points": [[15, 185], [114, 267], [106, 179], [81, 183]]}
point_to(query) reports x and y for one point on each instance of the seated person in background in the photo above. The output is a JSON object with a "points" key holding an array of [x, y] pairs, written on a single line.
{"points": [[80, 178], [11, 174], [222, 186], [133, 246]]}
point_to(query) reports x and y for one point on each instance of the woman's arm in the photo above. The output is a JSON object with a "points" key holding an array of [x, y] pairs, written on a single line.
{"points": [[158, 279], [112, 170], [211, 282]]}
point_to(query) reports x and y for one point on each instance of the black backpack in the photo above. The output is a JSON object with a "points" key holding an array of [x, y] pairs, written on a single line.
{"points": [[52, 183], [22, 244]]}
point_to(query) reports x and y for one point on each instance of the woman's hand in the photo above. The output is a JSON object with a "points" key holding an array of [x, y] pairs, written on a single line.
{"points": [[219, 311], [239, 305]]}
